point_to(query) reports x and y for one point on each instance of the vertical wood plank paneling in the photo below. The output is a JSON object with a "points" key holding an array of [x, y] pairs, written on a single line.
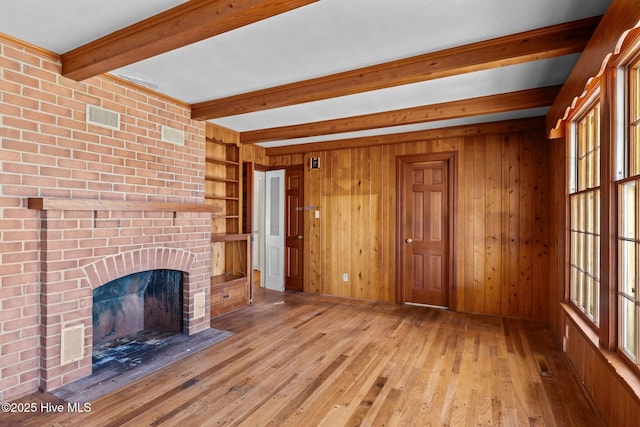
{"points": [[464, 259], [359, 246], [363, 230], [505, 247], [332, 281], [500, 265], [493, 226], [387, 226], [324, 176], [603, 380], [344, 246], [376, 224], [527, 182], [478, 191], [369, 254], [313, 231], [463, 203], [512, 211], [541, 224], [254, 153], [558, 188], [327, 247]]}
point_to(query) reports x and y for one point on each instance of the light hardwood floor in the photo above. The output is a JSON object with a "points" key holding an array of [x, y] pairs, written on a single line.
{"points": [[308, 360]]}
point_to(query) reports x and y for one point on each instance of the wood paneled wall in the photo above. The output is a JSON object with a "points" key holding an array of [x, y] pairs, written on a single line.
{"points": [[500, 224], [558, 227], [255, 154], [602, 373]]}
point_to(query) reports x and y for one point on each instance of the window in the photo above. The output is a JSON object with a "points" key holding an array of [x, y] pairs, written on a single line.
{"points": [[628, 226], [603, 244], [628, 252], [584, 196]]}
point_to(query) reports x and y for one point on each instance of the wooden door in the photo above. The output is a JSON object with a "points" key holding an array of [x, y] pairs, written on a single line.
{"points": [[424, 228], [258, 223], [294, 229]]}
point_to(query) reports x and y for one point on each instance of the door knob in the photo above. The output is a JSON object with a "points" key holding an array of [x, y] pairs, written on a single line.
{"points": [[409, 240], [300, 237]]}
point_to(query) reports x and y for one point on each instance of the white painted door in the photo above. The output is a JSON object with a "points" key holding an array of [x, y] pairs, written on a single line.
{"points": [[274, 230], [258, 223]]}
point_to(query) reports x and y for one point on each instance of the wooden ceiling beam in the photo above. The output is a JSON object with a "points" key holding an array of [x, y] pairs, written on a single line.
{"points": [[515, 125], [548, 42], [519, 100], [182, 25]]}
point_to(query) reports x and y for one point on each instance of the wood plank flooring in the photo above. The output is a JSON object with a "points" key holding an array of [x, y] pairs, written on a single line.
{"points": [[307, 360]]}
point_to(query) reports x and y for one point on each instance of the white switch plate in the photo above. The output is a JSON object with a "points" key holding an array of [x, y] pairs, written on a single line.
{"points": [[317, 214], [345, 277]]}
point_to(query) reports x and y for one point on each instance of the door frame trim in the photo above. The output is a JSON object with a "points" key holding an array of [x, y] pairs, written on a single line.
{"points": [[451, 157], [287, 218]]}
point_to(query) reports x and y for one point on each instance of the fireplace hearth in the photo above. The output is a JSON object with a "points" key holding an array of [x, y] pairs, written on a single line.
{"points": [[127, 353], [125, 360]]}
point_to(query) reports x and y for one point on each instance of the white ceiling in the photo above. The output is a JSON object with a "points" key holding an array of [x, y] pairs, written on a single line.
{"points": [[322, 38]]}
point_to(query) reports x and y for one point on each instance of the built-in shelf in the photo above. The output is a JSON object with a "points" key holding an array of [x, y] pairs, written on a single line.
{"points": [[223, 180], [222, 162], [225, 216], [231, 249], [229, 237], [223, 198], [227, 279]]}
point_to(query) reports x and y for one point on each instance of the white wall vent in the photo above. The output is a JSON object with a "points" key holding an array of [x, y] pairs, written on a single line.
{"points": [[172, 135], [199, 305], [102, 117], [72, 344]]}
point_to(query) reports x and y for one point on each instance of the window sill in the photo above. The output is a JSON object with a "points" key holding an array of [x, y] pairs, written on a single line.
{"points": [[627, 376]]}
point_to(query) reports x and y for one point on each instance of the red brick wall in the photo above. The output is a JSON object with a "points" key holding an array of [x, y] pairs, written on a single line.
{"points": [[48, 150]]}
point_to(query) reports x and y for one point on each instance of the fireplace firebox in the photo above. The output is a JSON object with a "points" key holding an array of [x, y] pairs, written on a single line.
{"points": [[147, 300]]}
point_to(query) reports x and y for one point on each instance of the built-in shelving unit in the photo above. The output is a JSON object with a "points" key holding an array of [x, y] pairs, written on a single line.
{"points": [[230, 248]]}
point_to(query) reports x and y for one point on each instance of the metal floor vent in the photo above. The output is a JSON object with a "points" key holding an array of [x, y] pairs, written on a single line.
{"points": [[102, 117], [543, 364]]}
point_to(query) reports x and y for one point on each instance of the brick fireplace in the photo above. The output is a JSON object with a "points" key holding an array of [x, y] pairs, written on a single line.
{"points": [[83, 204], [87, 244]]}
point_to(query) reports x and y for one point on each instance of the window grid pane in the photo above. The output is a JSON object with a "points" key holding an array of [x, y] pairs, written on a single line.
{"points": [[585, 253], [628, 239], [634, 132], [627, 278], [628, 228], [628, 328], [588, 150], [634, 149], [584, 274]]}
